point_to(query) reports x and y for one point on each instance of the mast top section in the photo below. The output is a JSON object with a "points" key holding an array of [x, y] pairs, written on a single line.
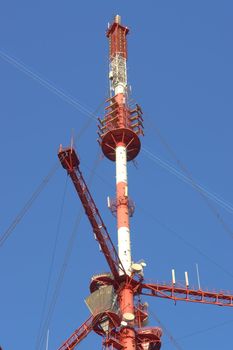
{"points": [[122, 122], [117, 19], [116, 34]]}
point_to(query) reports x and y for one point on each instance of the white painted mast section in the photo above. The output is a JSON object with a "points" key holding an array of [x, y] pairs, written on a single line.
{"points": [[124, 246]]}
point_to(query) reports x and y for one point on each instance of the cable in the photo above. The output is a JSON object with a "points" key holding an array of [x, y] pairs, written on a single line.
{"points": [[206, 329], [167, 332], [58, 229], [204, 193], [64, 266], [71, 100], [51, 87], [42, 185], [191, 245], [27, 206], [44, 82], [171, 230], [164, 164], [212, 208]]}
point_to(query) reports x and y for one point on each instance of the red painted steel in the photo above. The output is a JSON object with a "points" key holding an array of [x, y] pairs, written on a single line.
{"points": [[149, 335], [70, 162], [186, 294], [125, 296], [78, 335], [128, 338], [117, 39], [120, 123], [122, 126], [122, 205]]}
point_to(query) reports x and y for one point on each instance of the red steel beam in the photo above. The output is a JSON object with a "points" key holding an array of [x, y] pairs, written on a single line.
{"points": [[186, 294], [78, 335], [70, 162]]}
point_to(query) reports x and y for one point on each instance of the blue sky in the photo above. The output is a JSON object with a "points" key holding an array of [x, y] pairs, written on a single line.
{"points": [[180, 69]]}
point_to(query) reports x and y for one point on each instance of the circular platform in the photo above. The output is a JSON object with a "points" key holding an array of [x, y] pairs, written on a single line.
{"points": [[97, 281], [126, 136]]}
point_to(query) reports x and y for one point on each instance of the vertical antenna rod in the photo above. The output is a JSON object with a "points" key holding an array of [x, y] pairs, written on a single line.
{"points": [[198, 277], [47, 340]]}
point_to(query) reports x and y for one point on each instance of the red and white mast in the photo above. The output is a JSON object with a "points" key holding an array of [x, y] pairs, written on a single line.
{"points": [[116, 316], [119, 139], [118, 86], [119, 133]]}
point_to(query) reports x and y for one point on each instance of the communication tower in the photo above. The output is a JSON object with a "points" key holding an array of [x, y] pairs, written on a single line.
{"points": [[117, 313]]}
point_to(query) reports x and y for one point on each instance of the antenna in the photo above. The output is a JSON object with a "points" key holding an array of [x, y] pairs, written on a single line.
{"points": [[47, 341], [173, 277], [186, 279], [198, 277], [72, 140]]}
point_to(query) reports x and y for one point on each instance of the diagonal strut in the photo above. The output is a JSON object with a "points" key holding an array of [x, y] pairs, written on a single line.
{"points": [[70, 162]]}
